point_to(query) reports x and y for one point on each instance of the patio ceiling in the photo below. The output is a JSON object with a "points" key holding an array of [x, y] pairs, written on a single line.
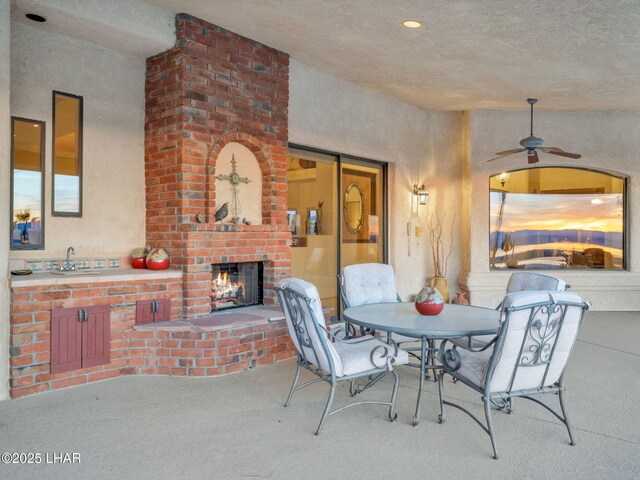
{"points": [[574, 54]]}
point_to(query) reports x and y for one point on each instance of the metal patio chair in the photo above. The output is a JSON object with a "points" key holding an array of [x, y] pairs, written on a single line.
{"points": [[367, 283], [331, 359], [525, 359], [518, 282]]}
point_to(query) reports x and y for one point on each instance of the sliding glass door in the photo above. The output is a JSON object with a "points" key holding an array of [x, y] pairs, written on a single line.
{"points": [[337, 217], [313, 221], [363, 218]]}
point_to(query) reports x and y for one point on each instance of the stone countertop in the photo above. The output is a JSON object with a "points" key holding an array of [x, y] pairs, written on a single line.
{"points": [[95, 276]]}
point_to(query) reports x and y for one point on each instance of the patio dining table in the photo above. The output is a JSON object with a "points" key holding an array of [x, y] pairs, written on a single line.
{"points": [[454, 321]]}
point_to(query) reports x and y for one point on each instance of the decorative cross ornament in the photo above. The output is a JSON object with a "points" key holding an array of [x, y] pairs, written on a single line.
{"points": [[235, 180]]}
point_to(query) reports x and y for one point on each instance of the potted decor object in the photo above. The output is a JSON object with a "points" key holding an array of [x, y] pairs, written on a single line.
{"points": [[158, 259], [440, 252], [442, 285], [429, 301], [139, 258], [460, 299]]}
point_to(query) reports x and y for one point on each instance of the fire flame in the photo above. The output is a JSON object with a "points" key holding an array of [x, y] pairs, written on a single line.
{"points": [[223, 287]]}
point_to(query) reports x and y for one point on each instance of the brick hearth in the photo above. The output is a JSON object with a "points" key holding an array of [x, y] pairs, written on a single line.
{"points": [[215, 87]]}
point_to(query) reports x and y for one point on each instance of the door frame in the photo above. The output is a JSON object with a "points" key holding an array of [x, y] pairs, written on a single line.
{"points": [[385, 202]]}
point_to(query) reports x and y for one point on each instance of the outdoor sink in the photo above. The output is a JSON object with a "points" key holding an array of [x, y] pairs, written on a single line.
{"points": [[73, 273]]}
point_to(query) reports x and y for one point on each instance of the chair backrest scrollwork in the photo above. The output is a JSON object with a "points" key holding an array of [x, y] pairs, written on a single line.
{"points": [[535, 340]]}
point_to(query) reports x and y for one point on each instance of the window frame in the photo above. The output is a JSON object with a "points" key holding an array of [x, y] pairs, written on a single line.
{"points": [[55, 213], [625, 215], [43, 126]]}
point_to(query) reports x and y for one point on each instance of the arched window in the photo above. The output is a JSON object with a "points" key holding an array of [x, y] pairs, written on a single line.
{"points": [[549, 217]]}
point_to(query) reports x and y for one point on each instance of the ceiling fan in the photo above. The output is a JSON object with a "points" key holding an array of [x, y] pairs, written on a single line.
{"points": [[531, 144]]}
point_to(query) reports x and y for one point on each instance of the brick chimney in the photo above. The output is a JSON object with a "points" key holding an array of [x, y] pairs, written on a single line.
{"points": [[212, 88]]}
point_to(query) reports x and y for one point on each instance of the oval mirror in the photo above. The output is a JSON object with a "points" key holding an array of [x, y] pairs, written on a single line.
{"points": [[354, 207]]}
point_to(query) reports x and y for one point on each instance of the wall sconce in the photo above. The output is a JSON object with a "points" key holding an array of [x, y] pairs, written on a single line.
{"points": [[503, 177], [421, 193]]}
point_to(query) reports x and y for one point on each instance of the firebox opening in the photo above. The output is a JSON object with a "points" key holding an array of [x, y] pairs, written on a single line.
{"points": [[236, 285]]}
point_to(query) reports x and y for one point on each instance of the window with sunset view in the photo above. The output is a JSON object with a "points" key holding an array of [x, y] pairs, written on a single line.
{"points": [[549, 218]]}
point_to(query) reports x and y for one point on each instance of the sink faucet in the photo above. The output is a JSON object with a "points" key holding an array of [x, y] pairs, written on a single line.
{"points": [[68, 266]]}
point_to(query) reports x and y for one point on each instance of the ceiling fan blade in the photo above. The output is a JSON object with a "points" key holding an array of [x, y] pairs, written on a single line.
{"points": [[506, 153], [533, 157], [560, 152], [509, 152]]}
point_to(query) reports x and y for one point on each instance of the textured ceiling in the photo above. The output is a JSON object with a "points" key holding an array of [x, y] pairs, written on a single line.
{"points": [[469, 54]]}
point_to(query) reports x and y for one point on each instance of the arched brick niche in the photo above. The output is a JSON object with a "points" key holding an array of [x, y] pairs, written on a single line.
{"points": [[268, 196], [212, 88]]}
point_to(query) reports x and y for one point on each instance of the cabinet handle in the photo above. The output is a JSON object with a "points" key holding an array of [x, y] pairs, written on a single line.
{"points": [[154, 307], [80, 315], [86, 316]]}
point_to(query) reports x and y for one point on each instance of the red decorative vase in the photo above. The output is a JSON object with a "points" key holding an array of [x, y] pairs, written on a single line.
{"points": [[429, 301], [157, 259], [138, 258]]}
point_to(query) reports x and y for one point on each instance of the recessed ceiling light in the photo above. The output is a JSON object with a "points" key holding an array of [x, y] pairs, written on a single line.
{"points": [[411, 24], [35, 17]]}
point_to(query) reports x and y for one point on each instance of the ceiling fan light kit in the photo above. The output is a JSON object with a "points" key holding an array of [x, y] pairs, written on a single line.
{"points": [[532, 144]]}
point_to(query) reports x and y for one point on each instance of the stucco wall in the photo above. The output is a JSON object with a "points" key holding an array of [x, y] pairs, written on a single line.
{"points": [[608, 141], [112, 85], [5, 137], [421, 147]]}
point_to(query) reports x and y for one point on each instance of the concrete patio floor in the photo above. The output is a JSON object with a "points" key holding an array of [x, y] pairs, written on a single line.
{"points": [[235, 427]]}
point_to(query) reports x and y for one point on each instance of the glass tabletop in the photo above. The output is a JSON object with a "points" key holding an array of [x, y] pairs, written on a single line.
{"points": [[454, 321]]}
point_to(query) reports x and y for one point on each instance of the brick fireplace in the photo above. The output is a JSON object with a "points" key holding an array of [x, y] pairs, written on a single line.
{"points": [[236, 285], [213, 88]]}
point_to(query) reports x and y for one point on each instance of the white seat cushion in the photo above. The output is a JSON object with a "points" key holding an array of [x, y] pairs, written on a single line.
{"points": [[355, 354], [319, 357], [524, 281], [474, 365], [308, 290], [366, 283]]}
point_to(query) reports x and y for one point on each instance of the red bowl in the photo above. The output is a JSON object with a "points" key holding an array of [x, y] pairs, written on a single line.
{"points": [[429, 308]]}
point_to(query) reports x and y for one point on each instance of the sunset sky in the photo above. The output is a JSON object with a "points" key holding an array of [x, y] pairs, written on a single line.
{"points": [[28, 192], [557, 212]]}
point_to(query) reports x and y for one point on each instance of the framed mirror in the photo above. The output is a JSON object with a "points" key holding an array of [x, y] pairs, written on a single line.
{"points": [[27, 184], [354, 207]]}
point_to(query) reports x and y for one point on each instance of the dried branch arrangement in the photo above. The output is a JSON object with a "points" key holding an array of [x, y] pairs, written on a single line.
{"points": [[440, 252]]}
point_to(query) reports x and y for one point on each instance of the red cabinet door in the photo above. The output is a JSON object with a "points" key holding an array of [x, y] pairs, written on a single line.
{"points": [[163, 310], [144, 311], [66, 339], [96, 336], [148, 311]]}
